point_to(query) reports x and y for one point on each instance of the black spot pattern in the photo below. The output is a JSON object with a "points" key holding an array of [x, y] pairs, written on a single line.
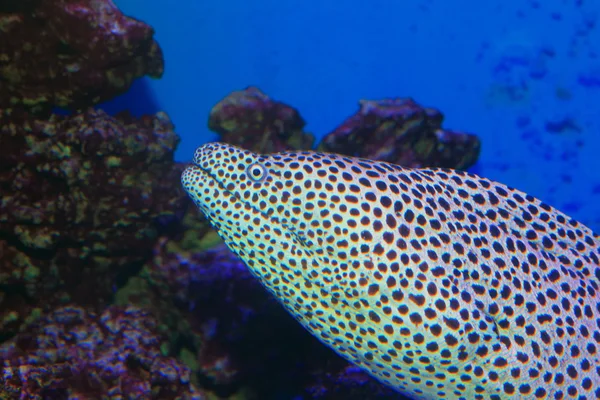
{"points": [[439, 283]]}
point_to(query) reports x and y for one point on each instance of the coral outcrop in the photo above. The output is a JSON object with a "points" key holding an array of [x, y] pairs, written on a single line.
{"points": [[402, 132], [250, 119], [71, 53], [84, 199], [75, 353], [397, 130]]}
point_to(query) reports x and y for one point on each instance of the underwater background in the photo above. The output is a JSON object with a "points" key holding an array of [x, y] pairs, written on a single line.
{"points": [[525, 73], [112, 284]]}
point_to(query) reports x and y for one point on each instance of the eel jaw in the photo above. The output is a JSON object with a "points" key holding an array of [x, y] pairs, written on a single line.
{"points": [[196, 168]]}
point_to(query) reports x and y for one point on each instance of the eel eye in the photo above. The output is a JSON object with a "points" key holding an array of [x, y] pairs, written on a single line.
{"points": [[256, 172]]}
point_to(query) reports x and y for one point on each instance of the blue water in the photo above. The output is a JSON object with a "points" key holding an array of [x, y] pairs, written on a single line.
{"points": [[524, 76]]}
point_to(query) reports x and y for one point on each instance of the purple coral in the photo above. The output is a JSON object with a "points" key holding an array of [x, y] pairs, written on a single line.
{"points": [[81, 354], [84, 200]]}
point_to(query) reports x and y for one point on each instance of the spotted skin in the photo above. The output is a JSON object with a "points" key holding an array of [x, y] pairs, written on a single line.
{"points": [[439, 283]]}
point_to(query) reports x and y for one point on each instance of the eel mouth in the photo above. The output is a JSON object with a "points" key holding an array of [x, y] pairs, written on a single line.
{"points": [[273, 220]]}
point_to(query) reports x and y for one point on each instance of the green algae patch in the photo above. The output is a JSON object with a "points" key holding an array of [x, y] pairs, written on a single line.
{"points": [[41, 238], [113, 161]]}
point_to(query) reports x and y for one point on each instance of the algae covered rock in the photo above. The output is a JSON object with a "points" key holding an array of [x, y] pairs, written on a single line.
{"points": [[250, 119], [77, 353], [402, 132], [71, 53], [84, 199], [397, 130]]}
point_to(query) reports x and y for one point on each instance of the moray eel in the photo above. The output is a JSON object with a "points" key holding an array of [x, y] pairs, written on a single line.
{"points": [[438, 283]]}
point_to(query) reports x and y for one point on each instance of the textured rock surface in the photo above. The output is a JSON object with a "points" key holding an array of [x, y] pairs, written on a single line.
{"points": [[252, 120], [84, 199], [402, 132], [394, 130], [74, 353], [71, 53]]}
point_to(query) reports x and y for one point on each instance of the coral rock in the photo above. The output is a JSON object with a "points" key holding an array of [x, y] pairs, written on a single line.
{"points": [[250, 119], [74, 353], [402, 132], [84, 199], [216, 292], [71, 53]]}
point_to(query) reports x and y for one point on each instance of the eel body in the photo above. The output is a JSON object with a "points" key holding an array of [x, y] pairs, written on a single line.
{"points": [[439, 283]]}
